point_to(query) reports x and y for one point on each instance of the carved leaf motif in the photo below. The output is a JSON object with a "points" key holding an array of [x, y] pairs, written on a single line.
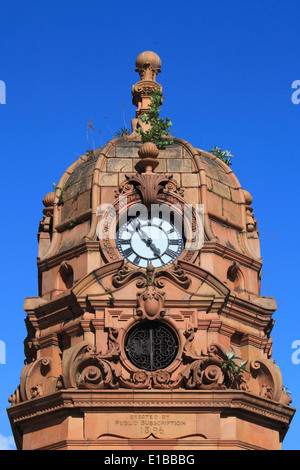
{"points": [[139, 379], [161, 379], [98, 374], [149, 186], [126, 275], [174, 273]]}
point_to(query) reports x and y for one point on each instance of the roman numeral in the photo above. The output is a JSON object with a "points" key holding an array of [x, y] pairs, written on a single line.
{"points": [[128, 252], [170, 253], [173, 242], [137, 259], [125, 242]]}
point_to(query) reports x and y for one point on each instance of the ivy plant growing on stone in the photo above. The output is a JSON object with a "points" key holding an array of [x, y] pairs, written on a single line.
{"points": [[159, 131]]}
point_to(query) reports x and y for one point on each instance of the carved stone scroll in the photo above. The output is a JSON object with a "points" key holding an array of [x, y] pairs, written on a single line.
{"points": [[175, 273], [267, 379], [37, 379]]}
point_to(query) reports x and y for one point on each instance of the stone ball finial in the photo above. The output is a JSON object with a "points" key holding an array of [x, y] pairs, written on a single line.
{"points": [[48, 202], [248, 197], [148, 150], [148, 154], [148, 65]]}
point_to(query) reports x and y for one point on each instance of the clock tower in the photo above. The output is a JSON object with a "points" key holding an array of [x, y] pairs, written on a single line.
{"points": [[149, 331]]}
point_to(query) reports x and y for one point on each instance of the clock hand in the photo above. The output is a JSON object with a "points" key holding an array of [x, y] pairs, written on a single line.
{"points": [[148, 241], [155, 250]]}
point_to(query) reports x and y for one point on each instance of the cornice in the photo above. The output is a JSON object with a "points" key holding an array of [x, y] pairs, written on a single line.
{"points": [[247, 312], [74, 252], [225, 402], [229, 253]]}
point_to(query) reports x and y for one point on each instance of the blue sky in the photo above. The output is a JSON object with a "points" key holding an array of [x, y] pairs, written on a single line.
{"points": [[227, 72]]}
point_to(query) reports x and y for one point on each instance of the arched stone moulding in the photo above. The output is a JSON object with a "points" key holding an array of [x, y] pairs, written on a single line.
{"points": [[136, 190]]}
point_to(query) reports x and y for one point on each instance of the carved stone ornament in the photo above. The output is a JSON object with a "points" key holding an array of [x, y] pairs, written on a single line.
{"points": [[251, 222], [174, 273], [146, 380], [150, 304], [149, 186], [37, 379], [83, 367], [148, 65], [268, 381]]}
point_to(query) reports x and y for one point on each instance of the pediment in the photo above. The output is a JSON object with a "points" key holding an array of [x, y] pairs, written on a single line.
{"points": [[181, 283]]}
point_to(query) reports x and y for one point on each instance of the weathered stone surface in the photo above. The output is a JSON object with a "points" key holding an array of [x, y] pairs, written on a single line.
{"points": [[80, 388], [179, 165], [119, 164]]}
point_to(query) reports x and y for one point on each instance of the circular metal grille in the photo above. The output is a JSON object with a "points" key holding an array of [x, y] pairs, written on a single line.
{"points": [[151, 345]]}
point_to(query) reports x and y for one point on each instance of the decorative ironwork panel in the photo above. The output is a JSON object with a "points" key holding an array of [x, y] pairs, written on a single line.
{"points": [[151, 345]]}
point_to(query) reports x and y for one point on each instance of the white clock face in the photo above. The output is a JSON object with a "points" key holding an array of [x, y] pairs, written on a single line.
{"points": [[149, 241]]}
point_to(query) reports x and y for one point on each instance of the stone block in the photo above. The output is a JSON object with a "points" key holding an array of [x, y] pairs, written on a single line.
{"points": [[221, 189], [214, 204], [171, 152], [119, 164], [192, 196], [108, 194], [232, 212], [127, 152], [190, 180], [179, 165], [109, 179], [84, 201]]}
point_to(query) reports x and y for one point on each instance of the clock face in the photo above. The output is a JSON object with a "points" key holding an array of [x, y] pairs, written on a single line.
{"points": [[149, 241]]}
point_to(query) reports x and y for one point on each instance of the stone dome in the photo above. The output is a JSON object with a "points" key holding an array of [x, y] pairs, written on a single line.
{"points": [[96, 178]]}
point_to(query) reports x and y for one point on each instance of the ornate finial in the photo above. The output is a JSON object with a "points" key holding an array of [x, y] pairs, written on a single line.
{"points": [[48, 202], [251, 223], [148, 154], [148, 65]]}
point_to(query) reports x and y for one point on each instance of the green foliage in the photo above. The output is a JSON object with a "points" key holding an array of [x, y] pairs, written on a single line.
{"points": [[286, 391], [73, 223], [232, 371], [159, 132], [224, 155], [122, 132], [60, 197]]}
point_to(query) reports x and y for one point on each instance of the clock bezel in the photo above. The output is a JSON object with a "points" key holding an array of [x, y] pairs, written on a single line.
{"points": [[108, 243], [153, 222]]}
